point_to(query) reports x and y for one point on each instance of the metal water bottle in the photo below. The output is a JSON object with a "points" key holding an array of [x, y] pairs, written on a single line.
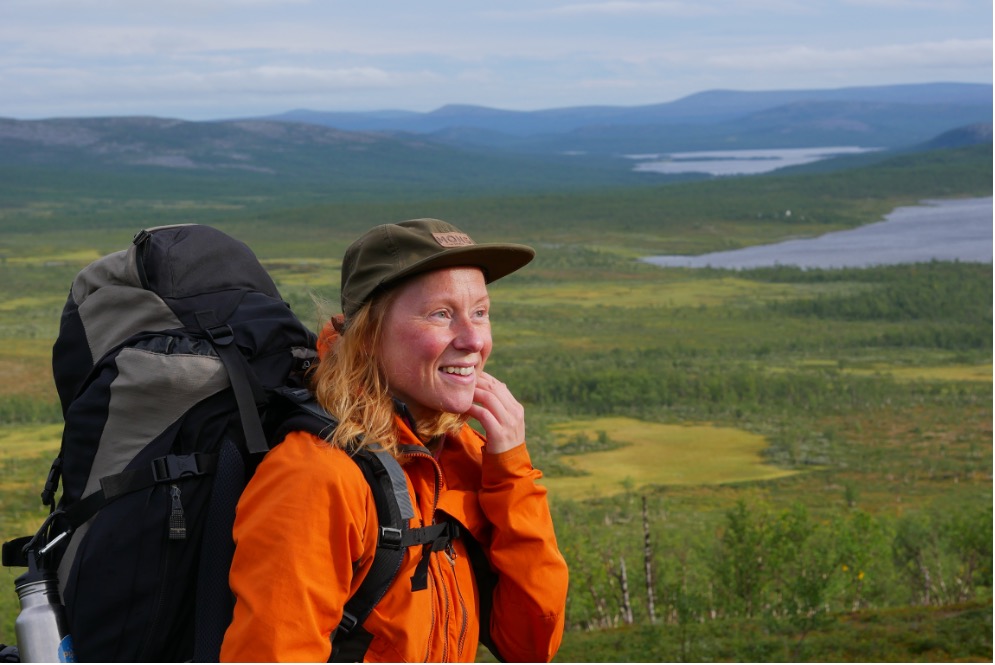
{"points": [[41, 629]]}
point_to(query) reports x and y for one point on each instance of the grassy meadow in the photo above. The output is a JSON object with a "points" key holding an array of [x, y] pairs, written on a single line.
{"points": [[807, 454], [647, 453]]}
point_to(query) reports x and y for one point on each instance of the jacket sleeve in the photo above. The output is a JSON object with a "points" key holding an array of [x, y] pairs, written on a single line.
{"points": [[300, 529], [529, 604]]}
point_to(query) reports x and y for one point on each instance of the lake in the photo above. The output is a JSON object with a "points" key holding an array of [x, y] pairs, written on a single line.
{"points": [[948, 230], [737, 162]]}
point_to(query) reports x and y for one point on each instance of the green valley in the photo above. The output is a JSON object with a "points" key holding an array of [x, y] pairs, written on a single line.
{"points": [[808, 453]]}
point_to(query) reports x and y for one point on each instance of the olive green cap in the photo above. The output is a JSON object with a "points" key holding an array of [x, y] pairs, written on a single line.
{"points": [[389, 253]]}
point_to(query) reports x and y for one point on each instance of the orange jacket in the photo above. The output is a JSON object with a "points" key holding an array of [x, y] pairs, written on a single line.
{"points": [[306, 532]]}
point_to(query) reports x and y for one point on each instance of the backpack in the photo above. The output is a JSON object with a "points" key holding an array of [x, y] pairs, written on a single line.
{"points": [[178, 364]]}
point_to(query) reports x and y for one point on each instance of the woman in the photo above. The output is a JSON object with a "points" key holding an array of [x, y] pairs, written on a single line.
{"points": [[404, 368]]}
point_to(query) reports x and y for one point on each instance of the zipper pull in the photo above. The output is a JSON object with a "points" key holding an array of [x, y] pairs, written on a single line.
{"points": [[450, 553], [177, 521]]}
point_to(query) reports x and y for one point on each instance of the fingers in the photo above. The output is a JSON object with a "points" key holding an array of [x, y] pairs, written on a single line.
{"points": [[499, 413]]}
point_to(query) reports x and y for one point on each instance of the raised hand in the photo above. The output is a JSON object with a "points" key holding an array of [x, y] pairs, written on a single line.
{"points": [[499, 413]]}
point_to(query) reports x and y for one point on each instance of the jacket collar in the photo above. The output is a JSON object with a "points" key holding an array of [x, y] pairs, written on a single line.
{"points": [[409, 432]]}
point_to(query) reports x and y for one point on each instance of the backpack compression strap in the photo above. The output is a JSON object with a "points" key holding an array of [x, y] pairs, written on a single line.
{"points": [[167, 469], [249, 395]]}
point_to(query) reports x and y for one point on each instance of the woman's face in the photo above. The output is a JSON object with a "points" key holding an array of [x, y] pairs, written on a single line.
{"points": [[436, 338]]}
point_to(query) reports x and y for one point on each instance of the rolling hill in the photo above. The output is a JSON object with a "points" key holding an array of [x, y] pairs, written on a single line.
{"points": [[468, 151], [883, 116], [290, 155]]}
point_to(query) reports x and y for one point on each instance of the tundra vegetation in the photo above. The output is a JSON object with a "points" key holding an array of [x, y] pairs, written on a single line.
{"points": [[763, 465]]}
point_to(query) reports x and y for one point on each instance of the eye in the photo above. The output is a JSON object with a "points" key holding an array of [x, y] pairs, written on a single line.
{"points": [[440, 314]]}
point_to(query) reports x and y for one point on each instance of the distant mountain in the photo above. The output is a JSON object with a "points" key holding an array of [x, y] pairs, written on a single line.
{"points": [[289, 153], [796, 125], [143, 141], [883, 116], [962, 136], [297, 156]]}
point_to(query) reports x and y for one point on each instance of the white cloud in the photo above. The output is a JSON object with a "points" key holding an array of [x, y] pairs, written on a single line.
{"points": [[656, 8], [630, 8], [920, 5], [277, 79], [952, 53], [267, 55]]}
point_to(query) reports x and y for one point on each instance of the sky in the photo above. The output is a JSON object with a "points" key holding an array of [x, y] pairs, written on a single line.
{"points": [[215, 59]]}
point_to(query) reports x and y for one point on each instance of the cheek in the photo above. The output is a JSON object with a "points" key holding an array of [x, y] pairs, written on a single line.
{"points": [[414, 353], [424, 348]]}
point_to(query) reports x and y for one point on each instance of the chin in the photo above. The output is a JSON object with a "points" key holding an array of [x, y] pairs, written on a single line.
{"points": [[457, 409], [457, 404]]}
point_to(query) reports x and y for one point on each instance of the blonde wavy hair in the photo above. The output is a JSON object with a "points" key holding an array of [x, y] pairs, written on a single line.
{"points": [[350, 383]]}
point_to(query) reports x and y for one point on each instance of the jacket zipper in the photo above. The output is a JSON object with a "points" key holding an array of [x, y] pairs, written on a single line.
{"points": [[421, 451], [450, 553], [431, 632], [448, 614]]}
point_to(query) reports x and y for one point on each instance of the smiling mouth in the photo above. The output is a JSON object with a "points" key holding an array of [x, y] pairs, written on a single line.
{"points": [[460, 371]]}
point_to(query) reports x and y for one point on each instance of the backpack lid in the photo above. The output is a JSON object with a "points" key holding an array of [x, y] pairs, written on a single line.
{"points": [[191, 259]]}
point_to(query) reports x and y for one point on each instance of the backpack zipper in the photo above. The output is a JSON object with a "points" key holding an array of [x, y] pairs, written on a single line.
{"points": [[174, 495], [177, 520]]}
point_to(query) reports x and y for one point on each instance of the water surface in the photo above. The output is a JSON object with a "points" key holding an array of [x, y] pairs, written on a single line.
{"points": [[738, 162], [949, 230]]}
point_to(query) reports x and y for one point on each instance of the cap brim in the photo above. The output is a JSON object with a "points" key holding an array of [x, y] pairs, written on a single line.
{"points": [[497, 260]]}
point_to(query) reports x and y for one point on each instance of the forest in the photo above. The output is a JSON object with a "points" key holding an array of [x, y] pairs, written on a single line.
{"points": [[865, 530]]}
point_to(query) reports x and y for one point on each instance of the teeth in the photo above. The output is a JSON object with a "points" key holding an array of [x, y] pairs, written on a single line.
{"points": [[462, 371]]}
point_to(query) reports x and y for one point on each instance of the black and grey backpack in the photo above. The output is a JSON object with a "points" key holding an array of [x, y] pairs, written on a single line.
{"points": [[178, 365], [167, 357]]}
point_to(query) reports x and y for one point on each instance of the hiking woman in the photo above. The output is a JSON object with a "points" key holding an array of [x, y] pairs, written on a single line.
{"points": [[403, 369]]}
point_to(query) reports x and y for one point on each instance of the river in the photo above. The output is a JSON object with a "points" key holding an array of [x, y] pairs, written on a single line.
{"points": [[947, 230]]}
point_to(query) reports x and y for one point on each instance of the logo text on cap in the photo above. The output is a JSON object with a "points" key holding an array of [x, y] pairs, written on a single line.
{"points": [[452, 239]]}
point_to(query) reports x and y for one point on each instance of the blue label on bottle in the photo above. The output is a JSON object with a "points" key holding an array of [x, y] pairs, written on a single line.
{"points": [[66, 653]]}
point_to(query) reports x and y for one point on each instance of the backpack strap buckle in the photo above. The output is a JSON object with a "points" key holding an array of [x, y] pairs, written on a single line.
{"points": [[347, 623], [434, 538], [173, 467], [391, 537], [221, 335], [52, 482]]}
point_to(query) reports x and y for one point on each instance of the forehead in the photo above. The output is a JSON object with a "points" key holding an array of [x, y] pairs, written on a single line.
{"points": [[444, 284]]}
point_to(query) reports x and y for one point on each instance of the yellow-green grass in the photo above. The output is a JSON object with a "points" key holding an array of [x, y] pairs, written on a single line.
{"points": [[658, 454], [25, 451], [76, 247], [13, 304], [80, 257], [654, 291], [303, 272], [26, 441], [26, 367], [981, 372]]}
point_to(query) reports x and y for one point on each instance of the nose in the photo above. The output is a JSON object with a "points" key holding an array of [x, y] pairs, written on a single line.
{"points": [[470, 336]]}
